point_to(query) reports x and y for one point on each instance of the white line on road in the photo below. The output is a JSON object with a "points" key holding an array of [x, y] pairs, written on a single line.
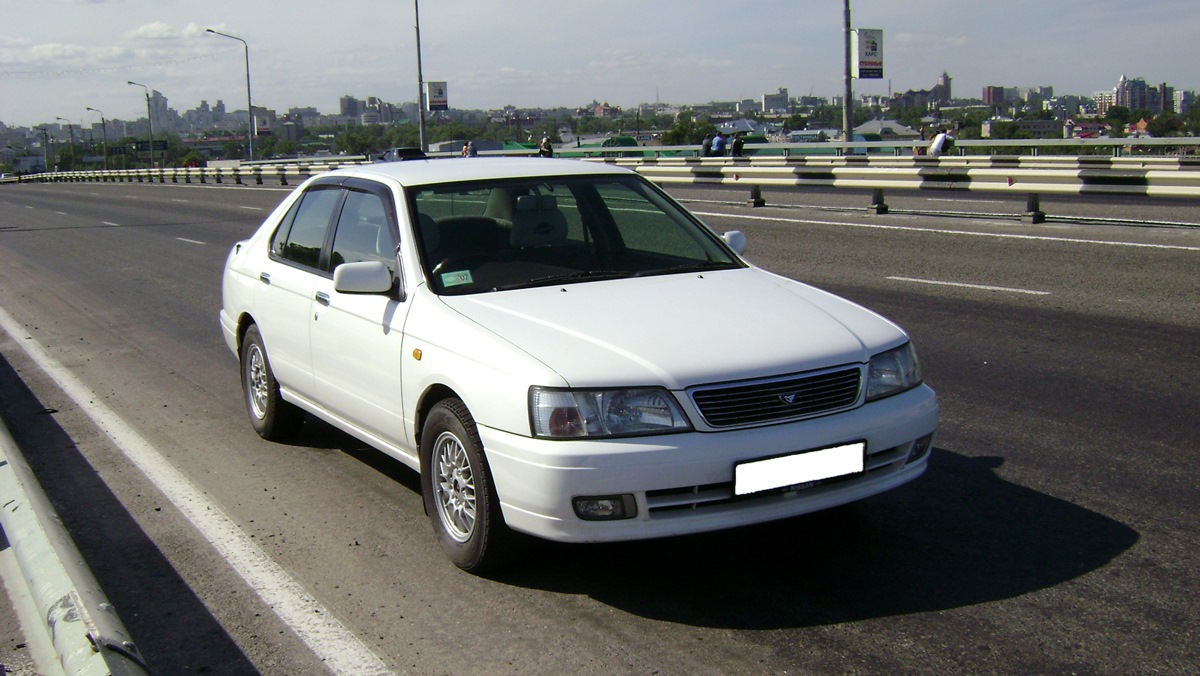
{"points": [[189, 241], [965, 233], [250, 208], [332, 642], [115, 225], [947, 199], [971, 286], [61, 213]]}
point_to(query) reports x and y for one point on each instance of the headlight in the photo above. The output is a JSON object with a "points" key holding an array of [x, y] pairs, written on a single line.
{"points": [[558, 413], [893, 372]]}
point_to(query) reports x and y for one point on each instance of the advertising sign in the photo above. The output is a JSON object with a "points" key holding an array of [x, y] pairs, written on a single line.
{"points": [[868, 54], [435, 95]]}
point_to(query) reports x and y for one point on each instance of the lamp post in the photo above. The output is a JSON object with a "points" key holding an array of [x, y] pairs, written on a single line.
{"points": [[149, 120], [104, 131], [847, 113], [249, 104], [45, 148], [420, 77], [71, 139]]}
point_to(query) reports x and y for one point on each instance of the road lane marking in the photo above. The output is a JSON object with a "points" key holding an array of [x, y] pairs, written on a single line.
{"points": [[327, 637], [940, 231], [250, 208], [189, 241], [950, 199], [61, 213], [115, 225], [964, 285]]}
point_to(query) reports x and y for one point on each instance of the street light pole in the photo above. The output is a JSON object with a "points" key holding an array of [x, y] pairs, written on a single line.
{"points": [[847, 113], [45, 148], [249, 104], [104, 131], [71, 138], [420, 77], [149, 121]]}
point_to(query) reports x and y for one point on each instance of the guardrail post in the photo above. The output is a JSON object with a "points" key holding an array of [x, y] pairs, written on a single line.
{"points": [[1033, 210], [878, 206], [756, 198]]}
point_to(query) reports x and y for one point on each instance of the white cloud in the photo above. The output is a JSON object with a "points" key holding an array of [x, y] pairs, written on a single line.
{"points": [[152, 31]]}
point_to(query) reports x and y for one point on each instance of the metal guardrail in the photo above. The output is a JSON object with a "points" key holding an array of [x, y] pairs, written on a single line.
{"points": [[87, 635], [1029, 175]]}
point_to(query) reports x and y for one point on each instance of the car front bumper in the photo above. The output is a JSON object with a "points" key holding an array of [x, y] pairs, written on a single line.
{"points": [[683, 483]]}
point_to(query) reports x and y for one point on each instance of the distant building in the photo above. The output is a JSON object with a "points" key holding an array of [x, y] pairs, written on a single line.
{"points": [[1035, 128], [777, 102], [926, 98], [1135, 94]]}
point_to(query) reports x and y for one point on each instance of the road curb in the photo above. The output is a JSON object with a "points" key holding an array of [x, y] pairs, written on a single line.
{"points": [[87, 635]]}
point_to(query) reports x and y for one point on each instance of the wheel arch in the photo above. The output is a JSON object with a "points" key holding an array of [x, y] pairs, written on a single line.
{"points": [[429, 398], [245, 321]]}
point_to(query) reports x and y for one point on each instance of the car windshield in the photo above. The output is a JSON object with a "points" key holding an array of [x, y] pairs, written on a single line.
{"points": [[516, 233]]}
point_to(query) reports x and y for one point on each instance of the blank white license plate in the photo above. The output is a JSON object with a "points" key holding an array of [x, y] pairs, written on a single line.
{"points": [[789, 470]]}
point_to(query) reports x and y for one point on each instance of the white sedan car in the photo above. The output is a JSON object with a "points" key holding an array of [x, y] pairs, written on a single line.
{"points": [[562, 350]]}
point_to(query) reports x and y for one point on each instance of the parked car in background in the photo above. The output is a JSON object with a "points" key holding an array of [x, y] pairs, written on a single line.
{"points": [[562, 350], [400, 154]]}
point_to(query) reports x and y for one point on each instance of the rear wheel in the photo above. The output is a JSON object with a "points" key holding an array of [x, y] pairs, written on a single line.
{"points": [[271, 416], [460, 496]]}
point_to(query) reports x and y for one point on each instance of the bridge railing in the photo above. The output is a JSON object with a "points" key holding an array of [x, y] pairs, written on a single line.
{"points": [[1172, 176]]}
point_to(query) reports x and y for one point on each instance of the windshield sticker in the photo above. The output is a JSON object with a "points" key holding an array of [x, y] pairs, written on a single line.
{"points": [[459, 278]]}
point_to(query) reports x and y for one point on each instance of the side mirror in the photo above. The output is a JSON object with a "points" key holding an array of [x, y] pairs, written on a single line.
{"points": [[364, 277], [736, 240]]}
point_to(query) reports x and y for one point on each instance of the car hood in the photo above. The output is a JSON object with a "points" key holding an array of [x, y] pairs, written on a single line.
{"points": [[681, 330]]}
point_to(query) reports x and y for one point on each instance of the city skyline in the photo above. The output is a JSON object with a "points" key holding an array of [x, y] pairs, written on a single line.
{"points": [[305, 55]]}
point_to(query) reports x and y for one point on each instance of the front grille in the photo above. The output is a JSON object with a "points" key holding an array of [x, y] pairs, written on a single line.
{"points": [[802, 395], [681, 502]]}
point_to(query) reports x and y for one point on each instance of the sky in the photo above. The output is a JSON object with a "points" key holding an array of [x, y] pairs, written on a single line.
{"points": [[60, 57]]}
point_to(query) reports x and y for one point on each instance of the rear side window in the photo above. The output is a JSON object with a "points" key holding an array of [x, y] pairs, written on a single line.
{"points": [[301, 238]]}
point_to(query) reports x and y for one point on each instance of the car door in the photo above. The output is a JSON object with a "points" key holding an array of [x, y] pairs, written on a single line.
{"points": [[284, 295], [357, 338]]}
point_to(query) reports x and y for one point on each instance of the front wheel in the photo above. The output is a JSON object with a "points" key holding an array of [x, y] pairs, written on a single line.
{"points": [[271, 416], [459, 494]]}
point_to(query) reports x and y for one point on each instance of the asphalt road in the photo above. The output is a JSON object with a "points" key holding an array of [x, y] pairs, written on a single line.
{"points": [[1055, 531]]}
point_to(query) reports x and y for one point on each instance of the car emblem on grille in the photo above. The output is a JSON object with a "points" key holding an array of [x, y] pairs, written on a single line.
{"points": [[789, 398]]}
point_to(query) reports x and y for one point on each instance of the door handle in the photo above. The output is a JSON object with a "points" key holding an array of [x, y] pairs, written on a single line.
{"points": [[323, 298], [264, 277]]}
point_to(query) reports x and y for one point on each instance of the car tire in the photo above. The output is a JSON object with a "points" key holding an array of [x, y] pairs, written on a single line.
{"points": [[460, 496], [273, 418]]}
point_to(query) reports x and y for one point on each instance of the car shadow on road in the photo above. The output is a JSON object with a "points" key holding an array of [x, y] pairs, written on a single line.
{"points": [[959, 536], [171, 626]]}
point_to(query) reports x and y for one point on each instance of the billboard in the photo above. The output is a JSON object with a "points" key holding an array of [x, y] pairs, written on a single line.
{"points": [[868, 54], [435, 96]]}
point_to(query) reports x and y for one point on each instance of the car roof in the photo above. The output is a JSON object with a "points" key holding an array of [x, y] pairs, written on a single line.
{"points": [[414, 172]]}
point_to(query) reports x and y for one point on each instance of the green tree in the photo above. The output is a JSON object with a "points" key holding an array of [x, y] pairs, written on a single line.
{"points": [[1166, 124], [687, 130]]}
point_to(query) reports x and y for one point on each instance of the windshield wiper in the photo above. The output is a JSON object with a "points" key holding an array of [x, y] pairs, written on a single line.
{"points": [[582, 275], [577, 276], [694, 266]]}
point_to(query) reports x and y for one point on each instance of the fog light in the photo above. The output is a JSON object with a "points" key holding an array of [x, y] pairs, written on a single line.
{"points": [[605, 507], [920, 449]]}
